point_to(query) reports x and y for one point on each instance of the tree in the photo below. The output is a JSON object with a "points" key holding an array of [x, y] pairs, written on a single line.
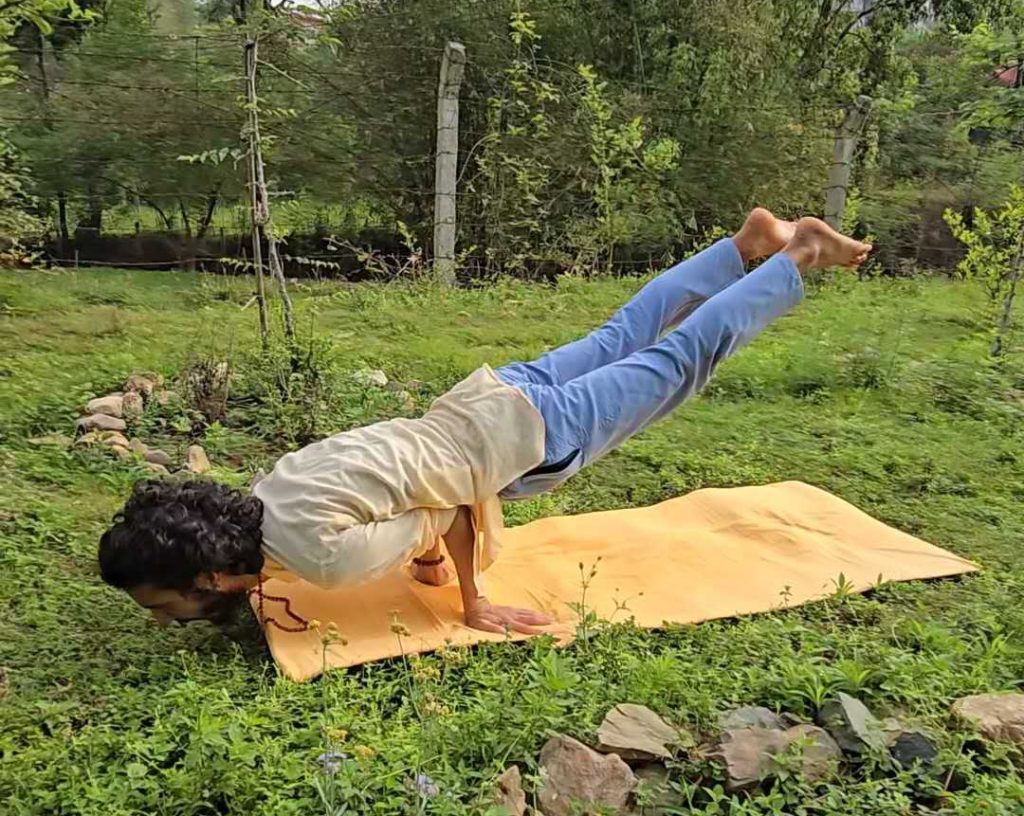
{"points": [[19, 223], [994, 259]]}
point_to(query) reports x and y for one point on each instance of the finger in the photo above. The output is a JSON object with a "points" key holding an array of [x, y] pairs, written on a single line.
{"points": [[531, 618], [528, 616], [524, 629], [487, 626]]}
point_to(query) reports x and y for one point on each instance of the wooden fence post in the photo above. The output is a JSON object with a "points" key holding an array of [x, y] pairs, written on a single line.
{"points": [[257, 250], [446, 162], [842, 154]]}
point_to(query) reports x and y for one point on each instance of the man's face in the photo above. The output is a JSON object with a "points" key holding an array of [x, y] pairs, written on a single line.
{"points": [[170, 605]]}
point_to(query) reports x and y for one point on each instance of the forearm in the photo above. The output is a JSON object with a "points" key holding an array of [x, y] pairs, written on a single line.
{"points": [[479, 612], [461, 543]]}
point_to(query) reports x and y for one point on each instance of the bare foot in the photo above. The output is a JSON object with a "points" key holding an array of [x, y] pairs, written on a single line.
{"points": [[762, 235], [815, 245]]}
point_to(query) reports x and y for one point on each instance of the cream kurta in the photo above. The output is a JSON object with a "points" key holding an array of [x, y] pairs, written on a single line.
{"points": [[352, 507]]}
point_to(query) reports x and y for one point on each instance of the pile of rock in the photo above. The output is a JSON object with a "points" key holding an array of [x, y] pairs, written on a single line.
{"points": [[107, 419], [625, 772]]}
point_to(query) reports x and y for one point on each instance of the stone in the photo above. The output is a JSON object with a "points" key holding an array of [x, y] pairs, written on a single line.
{"points": [[374, 377], [577, 777], [112, 439], [913, 748], [132, 405], [819, 753], [751, 717], [891, 729], [634, 732], [120, 452], [143, 382], [155, 467], [52, 440], [653, 794], [110, 405], [408, 403], [747, 755], [155, 456], [167, 399], [138, 446], [508, 793], [852, 725], [196, 460], [99, 422], [998, 717]]}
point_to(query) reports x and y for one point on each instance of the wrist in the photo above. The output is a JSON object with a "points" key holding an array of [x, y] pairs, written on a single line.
{"points": [[429, 562]]}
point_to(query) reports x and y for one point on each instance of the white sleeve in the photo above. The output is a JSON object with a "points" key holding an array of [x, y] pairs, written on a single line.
{"points": [[366, 552]]}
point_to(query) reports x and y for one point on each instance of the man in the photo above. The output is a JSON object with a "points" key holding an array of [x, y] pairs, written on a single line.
{"points": [[352, 507]]}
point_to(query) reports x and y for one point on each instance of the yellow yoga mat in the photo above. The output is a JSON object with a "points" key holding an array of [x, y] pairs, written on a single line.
{"points": [[714, 553]]}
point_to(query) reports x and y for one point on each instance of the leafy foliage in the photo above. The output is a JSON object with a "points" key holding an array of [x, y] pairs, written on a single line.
{"points": [[994, 258]]}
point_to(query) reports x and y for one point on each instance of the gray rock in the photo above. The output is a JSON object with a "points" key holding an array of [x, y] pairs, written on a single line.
{"points": [[637, 733], [197, 461], [87, 439], [914, 748], [508, 793], [747, 755], [819, 753], [577, 777], [750, 755], [112, 439], [408, 403], [110, 405], [121, 452], [998, 717], [132, 405], [157, 468], [155, 456], [751, 717], [653, 794], [852, 725], [138, 446], [99, 422], [374, 377], [143, 382]]}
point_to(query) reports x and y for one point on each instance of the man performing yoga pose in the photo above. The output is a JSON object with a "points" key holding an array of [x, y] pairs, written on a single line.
{"points": [[350, 508]]}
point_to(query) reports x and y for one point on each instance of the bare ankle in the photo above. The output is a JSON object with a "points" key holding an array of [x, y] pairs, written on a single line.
{"points": [[743, 247], [802, 254]]}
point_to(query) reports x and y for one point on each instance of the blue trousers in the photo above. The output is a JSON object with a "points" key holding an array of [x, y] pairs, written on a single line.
{"points": [[656, 352]]}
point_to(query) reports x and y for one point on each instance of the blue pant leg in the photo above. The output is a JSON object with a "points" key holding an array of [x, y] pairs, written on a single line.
{"points": [[658, 306], [600, 410]]}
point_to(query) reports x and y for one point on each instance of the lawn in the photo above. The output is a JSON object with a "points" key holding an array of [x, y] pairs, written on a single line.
{"points": [[877, 391]]}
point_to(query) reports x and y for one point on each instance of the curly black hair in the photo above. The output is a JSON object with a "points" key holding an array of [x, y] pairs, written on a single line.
{"points": [[171, 532]]}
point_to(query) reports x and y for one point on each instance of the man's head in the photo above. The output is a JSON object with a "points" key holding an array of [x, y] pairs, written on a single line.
{"points": [[185, 550]]}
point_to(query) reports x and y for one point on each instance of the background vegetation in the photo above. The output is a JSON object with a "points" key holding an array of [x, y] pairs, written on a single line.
{"points": [[598, 135]]}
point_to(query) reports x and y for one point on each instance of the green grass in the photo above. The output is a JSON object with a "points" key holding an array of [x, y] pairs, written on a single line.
{"points": [[875, 391]]}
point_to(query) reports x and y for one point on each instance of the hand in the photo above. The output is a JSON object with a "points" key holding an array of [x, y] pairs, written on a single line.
{"points": [[486, 617], [437, 575]]}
